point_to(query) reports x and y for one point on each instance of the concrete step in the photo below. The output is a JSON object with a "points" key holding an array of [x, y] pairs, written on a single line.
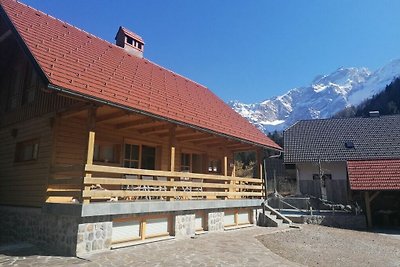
{"points": [[273, 221]]}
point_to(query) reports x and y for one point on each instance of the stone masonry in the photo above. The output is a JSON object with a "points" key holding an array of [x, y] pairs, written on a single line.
{"points": [[215, 221], [56, 233], [93, 237], [185, 225]]}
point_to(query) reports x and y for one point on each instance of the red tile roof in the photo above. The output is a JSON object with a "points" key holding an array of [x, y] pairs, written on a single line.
{"points": [[374, 174], [82, 63]]}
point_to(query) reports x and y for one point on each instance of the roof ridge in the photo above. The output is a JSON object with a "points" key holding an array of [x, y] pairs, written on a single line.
{"points": [[64, 22], [332, 119]]}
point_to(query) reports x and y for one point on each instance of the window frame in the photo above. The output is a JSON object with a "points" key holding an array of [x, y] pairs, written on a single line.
{"points": [[101, 146], [140, 154], [19, 154]]}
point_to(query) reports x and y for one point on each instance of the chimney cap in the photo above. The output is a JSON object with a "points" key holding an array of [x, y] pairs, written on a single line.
{"points": [[129, 33]]}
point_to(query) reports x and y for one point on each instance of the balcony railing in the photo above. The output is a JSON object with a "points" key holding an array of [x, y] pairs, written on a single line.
{"points": [[137, 184]]}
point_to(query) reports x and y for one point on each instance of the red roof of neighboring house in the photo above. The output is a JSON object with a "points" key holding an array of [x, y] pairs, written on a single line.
{"points": [[374, 174], [82, 63]]}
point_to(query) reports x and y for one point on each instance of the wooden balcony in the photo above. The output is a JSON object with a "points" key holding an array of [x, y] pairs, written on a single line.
{"points": [[164, 185]]}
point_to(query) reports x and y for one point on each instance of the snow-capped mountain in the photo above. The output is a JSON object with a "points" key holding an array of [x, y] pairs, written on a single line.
{"points": [[325, 96]]}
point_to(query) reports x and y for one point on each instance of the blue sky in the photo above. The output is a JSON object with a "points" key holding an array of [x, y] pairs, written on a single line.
{"points": [[246, 50]]}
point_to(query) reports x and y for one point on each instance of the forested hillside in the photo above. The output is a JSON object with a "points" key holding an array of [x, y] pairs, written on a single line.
{"points": [[386, 102]]}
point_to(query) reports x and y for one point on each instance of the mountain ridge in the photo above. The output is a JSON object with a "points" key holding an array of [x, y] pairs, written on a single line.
{"points": [[325, 96]]}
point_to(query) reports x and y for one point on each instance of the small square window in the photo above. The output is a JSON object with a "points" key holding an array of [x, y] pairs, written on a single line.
{"points": [[27, 150]]}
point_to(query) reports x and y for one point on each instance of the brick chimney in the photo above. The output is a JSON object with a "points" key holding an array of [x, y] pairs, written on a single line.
{"points": [[130, 41]]}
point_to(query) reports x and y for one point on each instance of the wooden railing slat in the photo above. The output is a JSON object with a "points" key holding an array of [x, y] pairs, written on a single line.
{"points": [[121, 170], [119, 181]]}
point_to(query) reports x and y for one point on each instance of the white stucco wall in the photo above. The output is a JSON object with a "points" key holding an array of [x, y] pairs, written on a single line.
{"points": [[336, 189], [336, 169]]}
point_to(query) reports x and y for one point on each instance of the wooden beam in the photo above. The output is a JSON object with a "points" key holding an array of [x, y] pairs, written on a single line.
{"points": [[179, 132], [134, 123], [163, 127], [74, 110], [137, 182], [206, 140], [368, 208], [183, 132], [190, 137], [5, 35], [122, 170], [111, 116]]}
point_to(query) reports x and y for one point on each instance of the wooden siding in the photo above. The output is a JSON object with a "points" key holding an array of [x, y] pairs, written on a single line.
{"points": [[24, 183]]}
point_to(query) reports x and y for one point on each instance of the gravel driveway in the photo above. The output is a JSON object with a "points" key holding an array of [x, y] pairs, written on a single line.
{"points": [[324, 246]]}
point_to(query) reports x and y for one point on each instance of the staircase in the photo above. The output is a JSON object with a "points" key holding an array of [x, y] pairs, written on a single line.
{"points": [[273, 218]]}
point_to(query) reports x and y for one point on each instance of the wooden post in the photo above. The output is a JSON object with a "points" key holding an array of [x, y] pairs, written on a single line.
{"points": [[91, 124], [368, 209], [260, 170], [172, 144], [226, 172], [225, 165], [90, 150], [143, 230], [172, 167]]}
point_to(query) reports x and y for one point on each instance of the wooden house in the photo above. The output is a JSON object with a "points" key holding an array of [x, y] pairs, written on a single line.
{"points": [[349, 160], [101, 147]]}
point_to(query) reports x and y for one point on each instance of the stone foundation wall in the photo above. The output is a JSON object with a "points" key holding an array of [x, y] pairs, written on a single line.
{"points": [[57, 233], [339, 221], [64, 231]]}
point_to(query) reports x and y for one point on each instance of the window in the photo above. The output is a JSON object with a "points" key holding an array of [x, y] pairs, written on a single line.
{"points": [[324, 176], [140, 157], [148, 158], [131, 159], [108, 153], [214, 166], [185, 162], [27, 150], [191, 163], [129, 40]]}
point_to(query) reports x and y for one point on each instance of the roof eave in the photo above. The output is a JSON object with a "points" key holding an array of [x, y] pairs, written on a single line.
{"points": [[196, 127]]}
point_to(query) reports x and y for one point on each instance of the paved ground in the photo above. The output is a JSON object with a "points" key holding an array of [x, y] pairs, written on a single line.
{"points": [[232, 248], [318, 246]]}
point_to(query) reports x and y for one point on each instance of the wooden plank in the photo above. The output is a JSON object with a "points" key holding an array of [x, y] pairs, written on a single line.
{"points": [[134, 123], [62, 168], [153, 129], [121, 170], [74, 110], [128, 193], [137, 182], [197, 136], [111, 116]]}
